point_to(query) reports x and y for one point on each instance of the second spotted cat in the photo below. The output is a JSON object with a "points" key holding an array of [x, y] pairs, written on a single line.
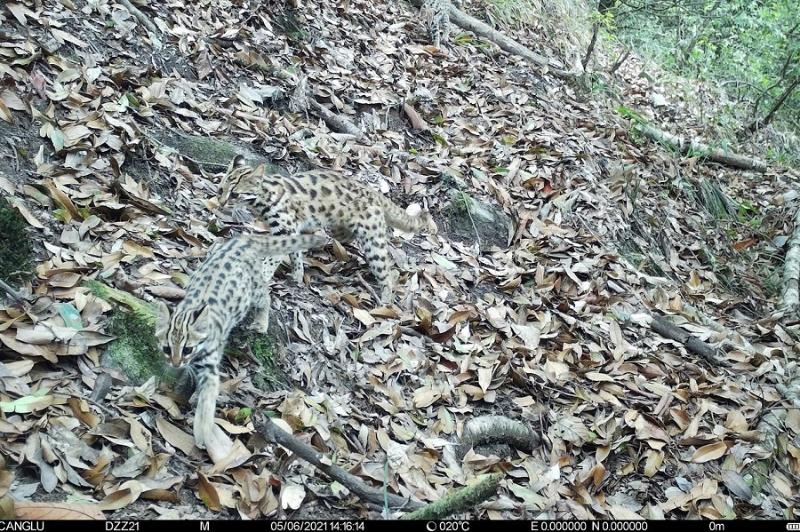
{"points": [[324, 198]]}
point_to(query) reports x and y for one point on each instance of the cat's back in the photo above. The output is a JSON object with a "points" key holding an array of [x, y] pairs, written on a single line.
{"points": [[225, 276]]}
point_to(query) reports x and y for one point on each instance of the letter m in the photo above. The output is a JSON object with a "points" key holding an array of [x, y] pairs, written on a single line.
{"points": [[203, 526]]}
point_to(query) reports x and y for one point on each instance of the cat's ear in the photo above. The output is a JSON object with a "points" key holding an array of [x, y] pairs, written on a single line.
{"points": [[198, 332], [237, 162], [162, 320], [259, 171]]}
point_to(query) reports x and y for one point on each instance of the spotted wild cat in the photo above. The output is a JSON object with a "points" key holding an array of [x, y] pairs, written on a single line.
{"points": [[435, 15], [230, 282], [324, 198]]}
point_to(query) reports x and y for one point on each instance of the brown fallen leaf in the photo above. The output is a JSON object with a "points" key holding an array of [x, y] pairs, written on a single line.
{"points": [[62, 199], [709, 452], [176, 437], [7, 511], [50, 511], [208, 493], [120, 499]]}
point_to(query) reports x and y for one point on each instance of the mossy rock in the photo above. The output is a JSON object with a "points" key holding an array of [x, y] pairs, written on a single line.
{"points": [[135, 351], [469, 220], [213, 155], [16, 251]]}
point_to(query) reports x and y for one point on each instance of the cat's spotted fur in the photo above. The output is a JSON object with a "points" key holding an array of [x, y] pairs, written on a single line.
{"points": [[435, 15], [230, 282], [328, 199]]}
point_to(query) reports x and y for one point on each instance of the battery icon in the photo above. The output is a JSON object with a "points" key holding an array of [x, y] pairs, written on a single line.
{"points": [[793, 526]]}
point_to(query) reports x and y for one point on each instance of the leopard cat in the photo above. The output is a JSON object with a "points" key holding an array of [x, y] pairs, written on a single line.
{"points": [[230, 282], [435, 15], [323, 198]]}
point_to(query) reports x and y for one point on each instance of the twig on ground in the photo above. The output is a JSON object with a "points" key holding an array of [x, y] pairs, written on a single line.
{"points": [[273, 433]]}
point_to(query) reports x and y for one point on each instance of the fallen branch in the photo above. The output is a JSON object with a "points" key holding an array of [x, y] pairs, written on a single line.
{"points": [[619, 62], [790, 298], [334, 121], [667, 329], [273, 433], [459, 500], [144, 21], [686, 146], [469, 23], [140, 308], [730, 338], [490, 430]]}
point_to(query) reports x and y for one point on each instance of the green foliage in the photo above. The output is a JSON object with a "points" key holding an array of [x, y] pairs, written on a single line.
{"points": [[750, 48], [16, 251]]}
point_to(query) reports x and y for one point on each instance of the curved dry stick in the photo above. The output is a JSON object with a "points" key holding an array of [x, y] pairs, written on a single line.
{"points": [[273, 433]]}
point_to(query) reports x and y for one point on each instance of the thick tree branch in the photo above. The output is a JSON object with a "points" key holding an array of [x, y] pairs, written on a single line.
{"points": [[686, 146], [469, 23]]}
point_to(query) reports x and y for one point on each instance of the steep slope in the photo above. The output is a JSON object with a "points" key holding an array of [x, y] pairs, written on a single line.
{"points": [[547, 327]]}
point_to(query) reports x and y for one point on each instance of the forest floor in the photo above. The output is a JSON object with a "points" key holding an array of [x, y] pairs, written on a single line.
{"points": [[544, 321]]}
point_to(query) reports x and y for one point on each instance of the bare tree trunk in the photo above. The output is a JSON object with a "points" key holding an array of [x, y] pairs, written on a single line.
{"points": [[756, 124], [595, 31]]}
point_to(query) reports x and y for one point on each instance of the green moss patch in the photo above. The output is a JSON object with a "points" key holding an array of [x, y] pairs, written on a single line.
{"points": [[135, 352], [264, 350], [16, 251], [210, 153]]}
